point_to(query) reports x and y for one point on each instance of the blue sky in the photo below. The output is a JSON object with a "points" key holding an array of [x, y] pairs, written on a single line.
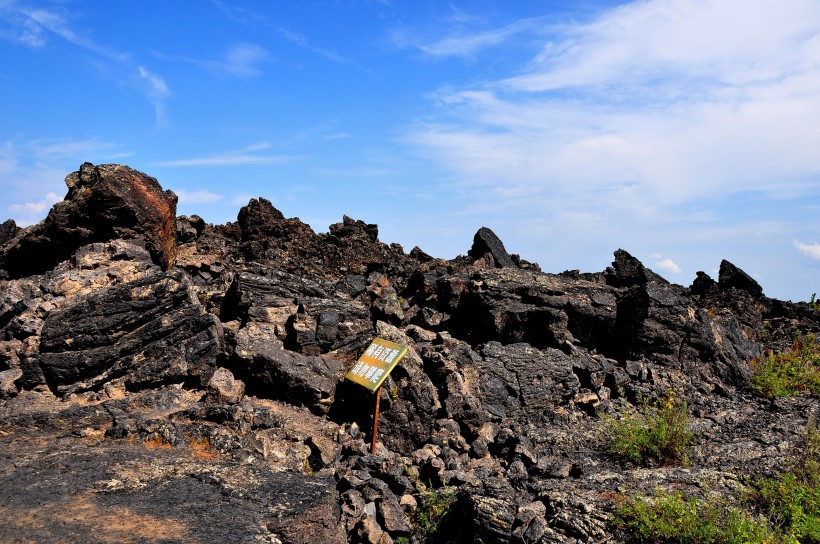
{"points": [[683, 131]]}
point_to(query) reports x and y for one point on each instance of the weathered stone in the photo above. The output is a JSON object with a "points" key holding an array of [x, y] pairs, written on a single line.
{"points": [[149, 330], [189, 228], [222, 387], [104, 202], [732, 276], [7, 382], [521, 381], [485, 241], [271, 371], [493, 519], [8, 229]]}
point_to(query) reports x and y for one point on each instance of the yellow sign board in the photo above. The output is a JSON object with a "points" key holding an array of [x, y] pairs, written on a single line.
{"points": [[376, 363]]}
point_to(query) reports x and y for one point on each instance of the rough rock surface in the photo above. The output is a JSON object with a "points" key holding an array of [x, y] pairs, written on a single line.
{"points": [[165, 380], [104, 202]]}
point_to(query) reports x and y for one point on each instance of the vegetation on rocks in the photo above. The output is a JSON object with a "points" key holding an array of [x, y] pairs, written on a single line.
{"points": [[784, 509], [789, 373], [657, 435], [674, 518]]}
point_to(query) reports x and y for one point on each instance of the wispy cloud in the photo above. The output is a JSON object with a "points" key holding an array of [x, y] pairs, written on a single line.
{"points": [[300, 40], [466, 43], [254, 19], [240, 60], [202, 196], [809, 250], [156, 91], [34, 27], [654, 104], [248, 155]]}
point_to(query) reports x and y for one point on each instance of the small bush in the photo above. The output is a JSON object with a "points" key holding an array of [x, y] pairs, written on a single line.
{"points": [[434, 507], [672, 518], [792, 506], [657, 435], [787, 374], [792, 500]]}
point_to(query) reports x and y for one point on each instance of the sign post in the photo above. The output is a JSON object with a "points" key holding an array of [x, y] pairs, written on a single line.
{"points": [[372, 368], [376, 421]]}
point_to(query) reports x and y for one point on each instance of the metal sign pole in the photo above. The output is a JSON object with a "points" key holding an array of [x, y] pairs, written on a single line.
{"points": [[376, 420]]}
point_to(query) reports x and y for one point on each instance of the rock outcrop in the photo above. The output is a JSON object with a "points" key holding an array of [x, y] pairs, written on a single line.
{"points": [[185, 380], [104, 202]]}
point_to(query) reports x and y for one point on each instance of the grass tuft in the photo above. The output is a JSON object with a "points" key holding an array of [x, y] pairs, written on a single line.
{"points": [[657, 436], [787, 374]]}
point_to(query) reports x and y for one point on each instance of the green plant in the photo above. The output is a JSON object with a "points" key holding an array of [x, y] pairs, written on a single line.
{"points": [[434, 507], [792, 500], [792, 506], [814, 304], [657, 435], [787, 374], [673, 518], [787, 507]]}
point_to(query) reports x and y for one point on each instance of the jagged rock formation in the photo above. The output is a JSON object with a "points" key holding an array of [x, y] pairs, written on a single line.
{"points": [[185, 379], [105, 202]]}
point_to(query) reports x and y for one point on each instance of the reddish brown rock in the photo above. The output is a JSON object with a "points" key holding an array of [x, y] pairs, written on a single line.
{"points": [[103, 203]]}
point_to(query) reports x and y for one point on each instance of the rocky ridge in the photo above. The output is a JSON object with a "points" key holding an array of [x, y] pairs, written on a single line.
{"points": [[185, 379]]}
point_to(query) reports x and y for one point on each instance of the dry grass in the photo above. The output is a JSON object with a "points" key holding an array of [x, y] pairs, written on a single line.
{"points": [[156, 443], [201, 449]]}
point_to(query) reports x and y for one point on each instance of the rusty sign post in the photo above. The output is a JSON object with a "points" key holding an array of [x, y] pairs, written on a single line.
{"points": [[372, 368]]}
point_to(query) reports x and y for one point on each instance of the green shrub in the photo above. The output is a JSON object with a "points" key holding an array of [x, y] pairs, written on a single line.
{"points": [[672, 518], [792, 500], [788, 509], [433, 508], [657, 435], [787, 374], [792, 506]]}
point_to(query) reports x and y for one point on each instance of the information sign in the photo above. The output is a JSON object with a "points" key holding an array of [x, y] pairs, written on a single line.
{"points": [[376, 363]]}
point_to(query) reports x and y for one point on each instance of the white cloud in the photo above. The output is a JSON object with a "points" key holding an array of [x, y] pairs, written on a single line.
{"points": [[248, 155], [29, 213], [655, 104], [809, 250], [667, 265], [202, 196], [242, 59], [156, 91], [468, 44]]}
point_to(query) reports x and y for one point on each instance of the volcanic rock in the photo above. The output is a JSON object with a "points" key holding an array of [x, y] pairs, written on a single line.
{"points": [[202, 399], [486, 241], [148, 331], [103, 203]]}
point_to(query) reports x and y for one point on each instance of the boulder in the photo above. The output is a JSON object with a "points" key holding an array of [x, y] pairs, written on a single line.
{"points": [[103, 203], [485, 241], [223, 387], [8, 229], [271, 371], [267, 236], [148, 331], [731, 276]]}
